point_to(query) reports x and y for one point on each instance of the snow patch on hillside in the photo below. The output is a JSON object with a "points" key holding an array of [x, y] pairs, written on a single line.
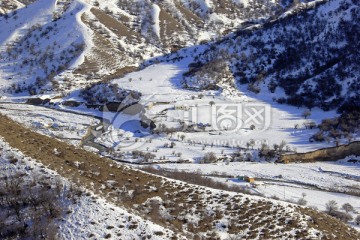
{"points": [[39, 12], [155, 16], [86, 34], [245, 2]]}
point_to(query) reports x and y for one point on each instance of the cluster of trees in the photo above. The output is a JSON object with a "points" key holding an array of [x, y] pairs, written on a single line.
{"points": [[209, 157], [28, 208], [264, 152], [162, 128], [311, 55], [332, 209], [143, 156], [208, 76], [345, 126], [172, 144], [102, 93], [267, 153]]}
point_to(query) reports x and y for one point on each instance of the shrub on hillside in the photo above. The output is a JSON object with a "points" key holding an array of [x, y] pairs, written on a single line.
{"points": [[102, 93], [344, 126]]}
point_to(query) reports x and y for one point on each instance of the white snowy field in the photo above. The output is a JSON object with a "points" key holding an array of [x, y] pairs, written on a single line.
{"points": [[324, 175], [63, 125], [320, 181], [169, 104]]}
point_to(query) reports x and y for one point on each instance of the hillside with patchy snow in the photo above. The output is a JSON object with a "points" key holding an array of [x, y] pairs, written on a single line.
{"points": [[308, 57], [60, 45], [43, 203], [181, 209], [89, 89], [39, 42]]}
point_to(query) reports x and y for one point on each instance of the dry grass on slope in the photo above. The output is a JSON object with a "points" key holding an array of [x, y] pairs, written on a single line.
{"points": [[188, 209], [227, 7], [104, 55], [115, 26], [168, 26], [190, 16]]}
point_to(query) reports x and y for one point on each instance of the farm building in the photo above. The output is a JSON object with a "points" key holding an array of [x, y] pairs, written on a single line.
{"points": [[246, 178], [249, 179], [182, 107], [153, 104]]}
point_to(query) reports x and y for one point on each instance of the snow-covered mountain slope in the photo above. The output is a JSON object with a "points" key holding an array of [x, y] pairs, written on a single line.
{"points": [[8, 6], [59, 45], [291, 51], [75, 53], [39, 42], [308, 57]]}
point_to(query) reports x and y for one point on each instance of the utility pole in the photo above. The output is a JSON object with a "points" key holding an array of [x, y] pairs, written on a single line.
{"points": [[284, 192]]}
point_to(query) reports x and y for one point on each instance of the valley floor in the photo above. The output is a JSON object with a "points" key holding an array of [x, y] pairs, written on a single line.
{"points": [[104, 152], [320, 181], [147, 194], [166, 103]]}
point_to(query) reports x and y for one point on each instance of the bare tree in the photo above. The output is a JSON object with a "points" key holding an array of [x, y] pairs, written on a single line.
{"points": [[347, 207], [182, 137], [209, 157], [331, 207], [357, 220], [306, 114], [282, 145]]}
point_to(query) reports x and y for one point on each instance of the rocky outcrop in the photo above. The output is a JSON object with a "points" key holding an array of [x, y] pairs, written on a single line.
{"points": [[325, 154]]}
